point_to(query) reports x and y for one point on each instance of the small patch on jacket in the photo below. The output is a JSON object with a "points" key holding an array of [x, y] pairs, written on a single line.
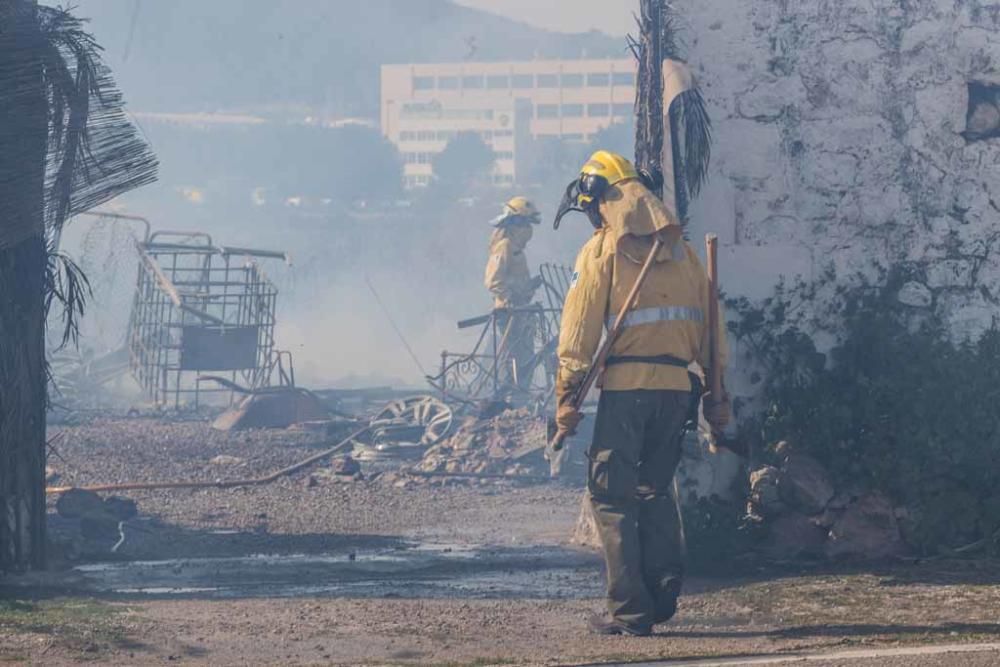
{"points": [[576, 277]]}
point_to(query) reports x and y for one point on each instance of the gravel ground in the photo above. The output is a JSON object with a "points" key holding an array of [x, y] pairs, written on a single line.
{"points": [[736, 615]]}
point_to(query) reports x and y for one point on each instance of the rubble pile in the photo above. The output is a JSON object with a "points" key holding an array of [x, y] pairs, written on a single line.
{"points": [[509, 443], [804, 515]]}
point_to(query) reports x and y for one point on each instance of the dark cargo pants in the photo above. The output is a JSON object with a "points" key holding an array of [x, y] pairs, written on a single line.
{"points": [[633, 458]]}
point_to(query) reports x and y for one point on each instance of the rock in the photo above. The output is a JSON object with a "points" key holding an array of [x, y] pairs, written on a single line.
{"points": [[804, 484], [792, 536], [77, 503], [867, 530], [915, 295], [765, 497], [346, 466], [226, 460], [123, 509]]}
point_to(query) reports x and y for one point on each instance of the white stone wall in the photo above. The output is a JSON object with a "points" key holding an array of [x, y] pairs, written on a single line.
{"points": [[838, 141]]}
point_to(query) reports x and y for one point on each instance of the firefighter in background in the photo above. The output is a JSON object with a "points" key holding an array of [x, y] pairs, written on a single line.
{"points": [[647, 387], [512, 286]]}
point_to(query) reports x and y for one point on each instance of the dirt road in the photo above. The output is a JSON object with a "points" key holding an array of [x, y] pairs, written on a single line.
{"points": [[312, 571]]}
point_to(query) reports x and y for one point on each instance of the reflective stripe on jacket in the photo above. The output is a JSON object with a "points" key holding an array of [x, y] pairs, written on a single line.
{"points": [[670, 317]]}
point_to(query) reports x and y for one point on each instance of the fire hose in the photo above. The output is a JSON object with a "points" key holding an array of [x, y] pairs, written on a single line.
{"points": [[219, 484]]}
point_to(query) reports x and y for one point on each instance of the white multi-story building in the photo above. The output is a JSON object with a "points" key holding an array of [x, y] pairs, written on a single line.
{"points": [[508, 103]]}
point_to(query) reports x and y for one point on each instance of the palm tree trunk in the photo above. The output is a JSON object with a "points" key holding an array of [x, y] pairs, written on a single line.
{"points": [[23, 136], [649, 89]]}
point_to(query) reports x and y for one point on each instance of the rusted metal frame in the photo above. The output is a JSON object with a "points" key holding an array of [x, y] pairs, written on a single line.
{"points": [[172, 292]]}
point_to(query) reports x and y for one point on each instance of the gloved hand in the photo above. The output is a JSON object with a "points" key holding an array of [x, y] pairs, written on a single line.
{"points": [[568, 418], [718, 412]]}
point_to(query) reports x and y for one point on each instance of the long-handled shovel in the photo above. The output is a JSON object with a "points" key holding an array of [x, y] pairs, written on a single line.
{"points": [[715, 367]]}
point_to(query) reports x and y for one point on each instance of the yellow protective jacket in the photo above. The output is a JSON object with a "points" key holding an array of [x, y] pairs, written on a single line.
{"points": [[670, 317], [507, 275]]}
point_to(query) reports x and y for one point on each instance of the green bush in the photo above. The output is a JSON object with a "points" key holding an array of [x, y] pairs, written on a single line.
{"points": [[894, 406]]}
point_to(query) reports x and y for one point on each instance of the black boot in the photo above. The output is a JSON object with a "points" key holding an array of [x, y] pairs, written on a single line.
{"points": [[600, 626], [666, 599]]}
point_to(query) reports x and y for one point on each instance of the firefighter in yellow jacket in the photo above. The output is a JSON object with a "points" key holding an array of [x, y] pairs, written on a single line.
{"points": [[510, 282], [646, 395]]}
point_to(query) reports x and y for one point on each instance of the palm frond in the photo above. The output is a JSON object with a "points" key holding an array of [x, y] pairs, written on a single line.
{"points": [[95, 153], [68, 286], [691, 142], [661, 38]]}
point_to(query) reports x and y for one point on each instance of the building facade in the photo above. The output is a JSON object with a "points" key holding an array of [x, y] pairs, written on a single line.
{"points": [[509, 104]]}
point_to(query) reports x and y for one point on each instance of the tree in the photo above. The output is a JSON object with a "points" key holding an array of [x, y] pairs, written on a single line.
{"points": [[464, 159], [65, 146]]}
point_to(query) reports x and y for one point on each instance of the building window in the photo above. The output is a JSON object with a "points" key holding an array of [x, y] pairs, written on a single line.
{"points": [[426, 136], [548, 81], [522, 81], [572, 81], [623, 79], [599, 80], [499, 81], [572, 110], [423, 83], [548, 110], [503, 155], [409, 158], [598, 110], [445, 135], [503, 133], [472, 82], [448, 83], [407, 135], [622, 109], [573, 136], [487, 135]]}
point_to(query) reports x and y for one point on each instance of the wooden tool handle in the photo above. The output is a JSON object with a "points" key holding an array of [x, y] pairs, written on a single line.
{"points": [[715, 379], [602, 355]]}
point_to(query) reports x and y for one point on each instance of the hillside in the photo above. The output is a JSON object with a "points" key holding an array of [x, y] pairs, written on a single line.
{"points": [[264, 56]]}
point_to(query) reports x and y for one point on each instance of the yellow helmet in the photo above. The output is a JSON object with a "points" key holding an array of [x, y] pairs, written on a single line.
{"points": [[612, 167], [603, 170], [519, 208]]}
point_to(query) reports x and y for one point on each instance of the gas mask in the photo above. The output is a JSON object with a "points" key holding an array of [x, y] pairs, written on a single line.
{"points": [[584, 195]]}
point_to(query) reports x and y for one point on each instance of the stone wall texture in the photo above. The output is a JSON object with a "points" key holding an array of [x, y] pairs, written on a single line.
{"points": [[844, 139]]}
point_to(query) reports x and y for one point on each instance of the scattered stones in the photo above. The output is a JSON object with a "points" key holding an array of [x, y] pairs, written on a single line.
{"points": [[804, 516], [501, 445]]}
